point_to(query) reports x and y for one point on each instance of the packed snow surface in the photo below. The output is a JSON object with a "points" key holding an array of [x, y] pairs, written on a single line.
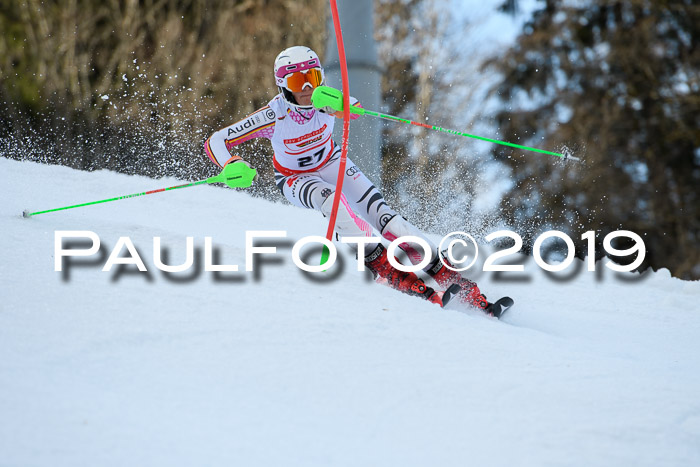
{"points": [[271, 368]]}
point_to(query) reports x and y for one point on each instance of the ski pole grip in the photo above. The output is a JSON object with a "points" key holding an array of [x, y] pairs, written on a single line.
{"points": [[325, 96], [235, 175]]}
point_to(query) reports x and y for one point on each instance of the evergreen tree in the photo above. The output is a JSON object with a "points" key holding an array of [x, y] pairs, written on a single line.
{"points": [[617, 82]]}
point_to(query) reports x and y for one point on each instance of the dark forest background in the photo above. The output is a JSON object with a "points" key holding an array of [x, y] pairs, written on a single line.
{"points": [[137, 86], [620, 81]]}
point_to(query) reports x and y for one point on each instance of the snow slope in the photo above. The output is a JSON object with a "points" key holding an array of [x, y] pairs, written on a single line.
{"points": [[110, 368]]}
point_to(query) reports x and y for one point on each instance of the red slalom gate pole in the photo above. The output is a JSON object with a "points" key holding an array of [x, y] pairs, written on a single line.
{"points": [[346, 128]]}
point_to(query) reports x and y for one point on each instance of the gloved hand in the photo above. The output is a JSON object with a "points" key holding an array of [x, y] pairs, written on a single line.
{"points": [[328, 110], [239, 174]]}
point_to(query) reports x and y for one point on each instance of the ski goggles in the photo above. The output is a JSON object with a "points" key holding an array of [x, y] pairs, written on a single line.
{"points": [[296, 81]]}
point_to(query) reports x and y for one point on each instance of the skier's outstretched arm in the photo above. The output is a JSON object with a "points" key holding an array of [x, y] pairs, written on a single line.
{"points": [[259, 124]]}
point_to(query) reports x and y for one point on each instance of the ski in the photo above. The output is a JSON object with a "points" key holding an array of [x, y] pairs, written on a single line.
{"points": [[438, 297], [499, 307], [451, 291]]}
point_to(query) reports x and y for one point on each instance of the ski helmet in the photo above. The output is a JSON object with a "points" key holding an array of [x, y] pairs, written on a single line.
{"points": [[295, 68]]}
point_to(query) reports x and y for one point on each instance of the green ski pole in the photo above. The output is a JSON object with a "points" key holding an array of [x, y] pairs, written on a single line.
{"points": [[233, 175], [325, 96]]}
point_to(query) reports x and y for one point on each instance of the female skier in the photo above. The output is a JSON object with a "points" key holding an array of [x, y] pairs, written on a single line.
{"points": [[306, 169]]}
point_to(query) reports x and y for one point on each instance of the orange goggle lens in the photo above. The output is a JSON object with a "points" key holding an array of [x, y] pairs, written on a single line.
{"points": [[297, 80]]}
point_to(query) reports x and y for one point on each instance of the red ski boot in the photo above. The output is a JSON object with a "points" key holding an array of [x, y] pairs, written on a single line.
{"points": [[406, 282], [470, 293]]}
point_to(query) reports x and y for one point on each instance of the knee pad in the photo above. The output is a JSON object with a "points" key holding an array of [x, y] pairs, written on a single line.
{"points": [[347, 223]]}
